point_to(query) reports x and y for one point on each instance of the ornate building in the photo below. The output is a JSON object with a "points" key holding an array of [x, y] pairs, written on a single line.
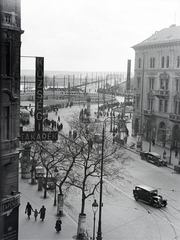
{"points": [[157, 87], [9, 128]]}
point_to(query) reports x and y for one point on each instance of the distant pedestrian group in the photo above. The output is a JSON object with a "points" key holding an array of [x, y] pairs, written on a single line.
{"points": [[29, 209]]}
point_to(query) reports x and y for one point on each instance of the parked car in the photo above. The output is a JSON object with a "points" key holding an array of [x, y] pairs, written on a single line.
{"points": [[153, 157], [50, 183], [149, 195]]}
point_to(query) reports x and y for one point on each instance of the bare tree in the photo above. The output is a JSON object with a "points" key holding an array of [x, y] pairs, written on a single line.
{"points": [[85, 174]]}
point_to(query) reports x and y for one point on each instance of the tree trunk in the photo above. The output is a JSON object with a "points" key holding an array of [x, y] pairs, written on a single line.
{"points": [[81, 226], [60, 204], [82, 206]]}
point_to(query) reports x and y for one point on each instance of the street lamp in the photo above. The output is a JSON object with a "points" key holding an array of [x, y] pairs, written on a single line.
{"points": [[94, 208], [99, 233], [98, 140], [55, 171]]}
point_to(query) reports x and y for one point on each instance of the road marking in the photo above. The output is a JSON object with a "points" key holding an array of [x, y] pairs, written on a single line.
{"points": [[118, 189]]}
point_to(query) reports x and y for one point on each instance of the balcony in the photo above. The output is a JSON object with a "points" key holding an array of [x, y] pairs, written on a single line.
{"points": [[9, 19], [174, 117], [148, 112], [162, 93]]}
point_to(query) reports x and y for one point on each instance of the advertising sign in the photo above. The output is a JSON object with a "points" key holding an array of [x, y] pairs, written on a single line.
{"points": [[38, 134], [39, 94]]}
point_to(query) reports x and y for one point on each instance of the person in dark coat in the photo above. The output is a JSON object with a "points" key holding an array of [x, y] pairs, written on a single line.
{"points": [[28, 209], [42, 213], [58, 225]]}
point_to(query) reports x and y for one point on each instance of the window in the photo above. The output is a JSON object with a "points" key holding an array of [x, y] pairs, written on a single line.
{"points": [[164, 81], [7, 59], [165, 106], [167, 83], [151, 83], [178, 61], [150, 104], [139, 63], [137, 102], [177, 84], [162, 62], [5, 123], [167, 61], [176, 107], [152, 62], [138, 82], [162, 84], [160, 105]]}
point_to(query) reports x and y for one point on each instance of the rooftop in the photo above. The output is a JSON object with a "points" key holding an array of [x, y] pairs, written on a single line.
{"points": [[166, 35]]}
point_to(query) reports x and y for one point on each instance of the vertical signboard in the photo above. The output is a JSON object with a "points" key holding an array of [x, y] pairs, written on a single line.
{"points": [[38, 134], [39, 94]]}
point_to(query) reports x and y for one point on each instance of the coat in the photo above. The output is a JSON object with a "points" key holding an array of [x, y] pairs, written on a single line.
{"points": [[28, 209], [58, 225], [42, 212]]}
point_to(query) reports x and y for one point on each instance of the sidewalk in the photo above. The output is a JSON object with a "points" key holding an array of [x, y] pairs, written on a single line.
{"points": [[155, 148], [31, 229]]}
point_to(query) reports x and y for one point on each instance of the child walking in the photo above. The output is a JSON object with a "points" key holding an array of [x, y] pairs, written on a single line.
{"points": [[35, 214]]}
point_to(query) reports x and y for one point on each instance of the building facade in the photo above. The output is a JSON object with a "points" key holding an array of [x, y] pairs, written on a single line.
{"points": [[10, 105], [156, 102]]}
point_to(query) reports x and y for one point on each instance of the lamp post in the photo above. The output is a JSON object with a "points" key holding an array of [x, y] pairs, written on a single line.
{"points": [[55, 171], [98, 140], [94, 208], [99, 233]]}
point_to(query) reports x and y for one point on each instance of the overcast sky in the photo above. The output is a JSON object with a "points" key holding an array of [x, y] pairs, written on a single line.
{"points": [[90, 35]]}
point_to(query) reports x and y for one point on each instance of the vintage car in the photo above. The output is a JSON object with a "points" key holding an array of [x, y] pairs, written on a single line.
{"points": [[50, 184], [153, 157], [149, 195]]}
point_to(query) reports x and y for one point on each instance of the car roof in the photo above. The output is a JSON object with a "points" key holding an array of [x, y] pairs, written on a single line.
{"points": [[149, 189], [155, 154]]}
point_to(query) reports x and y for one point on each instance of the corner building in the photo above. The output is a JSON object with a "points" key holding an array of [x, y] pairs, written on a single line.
{"points": [[157, 88], [10, 105]]}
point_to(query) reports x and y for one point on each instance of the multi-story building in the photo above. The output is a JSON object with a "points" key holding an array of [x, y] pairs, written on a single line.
{"points": [[157, 87], [9, 125]]}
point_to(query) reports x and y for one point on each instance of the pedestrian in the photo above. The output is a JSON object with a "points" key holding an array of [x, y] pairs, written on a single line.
{"points": [[164, 154], [153, 142], [35, 214], [58, 225], [28, 210], [42, 213]]}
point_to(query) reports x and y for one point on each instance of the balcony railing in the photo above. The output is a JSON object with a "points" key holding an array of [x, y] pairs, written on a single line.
{"points": [[174, 117], [162, 93], [9, 19], [148, 112]]}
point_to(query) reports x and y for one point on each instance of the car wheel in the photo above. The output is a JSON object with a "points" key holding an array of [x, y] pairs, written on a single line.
{"points": [[164, 204], [136, 196]]}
